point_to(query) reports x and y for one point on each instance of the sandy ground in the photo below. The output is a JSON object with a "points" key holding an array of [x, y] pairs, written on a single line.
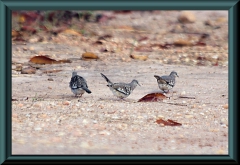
{"points": [[48, 119]]}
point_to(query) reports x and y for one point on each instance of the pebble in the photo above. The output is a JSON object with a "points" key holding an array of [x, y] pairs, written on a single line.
{"points": [[66, 103], [104, 132], [183, 93], [37, 128], [188, 116], [186, 17], [85, 121], [223, 121], [20, 105], [220, 151], [225, 106]]}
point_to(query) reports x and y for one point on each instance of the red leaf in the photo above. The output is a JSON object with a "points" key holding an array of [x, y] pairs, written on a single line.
{"points": [[168, 122], [153, 97]]}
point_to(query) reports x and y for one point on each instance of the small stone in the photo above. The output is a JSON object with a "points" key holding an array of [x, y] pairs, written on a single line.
{"points": [[202, 114], [104, 132], [85, 121], [186, 17], [183, 93], [194, 106], [66, 103], [160, 116], [225, 106], [221, 20], [84, 145], [101, 106], [220, 152], [223, 121], [50, 79], [31, 48], [37, 128], [161, 125], [20, 105], [25, 49], [188, 116]]}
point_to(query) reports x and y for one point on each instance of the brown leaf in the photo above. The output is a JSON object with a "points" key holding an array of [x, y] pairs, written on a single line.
{"points": [[139, 57], [182, 43], [168, 122], [42, 60], [89, 55], [153, 97], [46, 60]]}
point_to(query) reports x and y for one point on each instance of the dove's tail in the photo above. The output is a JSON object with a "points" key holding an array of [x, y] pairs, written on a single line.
{"points": [[87, 90], [157, 77], [109, 82]]}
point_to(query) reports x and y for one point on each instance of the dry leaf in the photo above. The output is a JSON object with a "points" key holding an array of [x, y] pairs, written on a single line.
{"points": [[168, 122], [153, 97], [42, 60], [89, 55], [182, 43], [139, 57], [46, 60]]}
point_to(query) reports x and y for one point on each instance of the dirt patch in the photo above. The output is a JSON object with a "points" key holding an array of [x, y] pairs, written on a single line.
{"points": [[48, 119]]}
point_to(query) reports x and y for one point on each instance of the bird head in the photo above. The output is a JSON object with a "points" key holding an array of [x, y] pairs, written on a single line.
{"points": [[173, 73], [135, 82]]}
